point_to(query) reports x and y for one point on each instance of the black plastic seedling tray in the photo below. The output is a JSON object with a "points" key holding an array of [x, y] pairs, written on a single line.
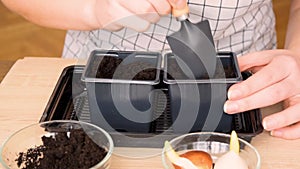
{"points": [[69, 101]]}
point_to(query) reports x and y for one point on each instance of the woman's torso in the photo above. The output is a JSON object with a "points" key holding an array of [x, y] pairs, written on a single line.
{"points": [[240, 26]]}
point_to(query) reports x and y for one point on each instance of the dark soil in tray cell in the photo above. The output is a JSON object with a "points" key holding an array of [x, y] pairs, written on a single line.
{"points": [[113, 68], [177, 73], [107, 66], [75, 150]]}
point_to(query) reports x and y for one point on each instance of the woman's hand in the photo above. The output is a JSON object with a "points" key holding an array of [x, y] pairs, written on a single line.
{"points": [[114, 15], [276, 78]]}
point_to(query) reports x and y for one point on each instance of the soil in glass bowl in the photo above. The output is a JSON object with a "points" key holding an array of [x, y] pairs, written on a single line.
{"points": [[74, 149]]}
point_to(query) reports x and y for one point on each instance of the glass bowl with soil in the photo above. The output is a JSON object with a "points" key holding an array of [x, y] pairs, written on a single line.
{"points": [[58, 144], [206, 149]]}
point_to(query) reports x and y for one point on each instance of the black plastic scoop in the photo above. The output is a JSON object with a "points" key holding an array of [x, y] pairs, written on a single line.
{"points": [[193, 43]]}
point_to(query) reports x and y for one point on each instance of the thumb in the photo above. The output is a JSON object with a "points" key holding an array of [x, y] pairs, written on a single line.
{"points": [[178, 4]]}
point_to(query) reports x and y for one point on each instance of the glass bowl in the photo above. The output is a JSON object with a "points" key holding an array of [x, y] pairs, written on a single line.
{"points": [[75, 134], [216, 144]]}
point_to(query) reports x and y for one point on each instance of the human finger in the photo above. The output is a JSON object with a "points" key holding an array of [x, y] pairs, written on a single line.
{"points": [[113, 27], [270, 74], [178, 4], [282, 119], [161, 6], [144, 9], [111, 20], [260, 58], [290, 132], [291, 101], [134, 22], [267, 96], [125, 18]]}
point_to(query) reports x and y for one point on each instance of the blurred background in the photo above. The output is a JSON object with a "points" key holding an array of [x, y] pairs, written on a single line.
{"points": [[20, 38]]}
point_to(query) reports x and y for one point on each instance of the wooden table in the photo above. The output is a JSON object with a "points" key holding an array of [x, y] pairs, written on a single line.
{"points": [[26, 89]]}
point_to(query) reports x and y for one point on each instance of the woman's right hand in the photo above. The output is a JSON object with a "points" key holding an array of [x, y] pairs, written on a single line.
{"points": [[111, 15], [114, 15]]}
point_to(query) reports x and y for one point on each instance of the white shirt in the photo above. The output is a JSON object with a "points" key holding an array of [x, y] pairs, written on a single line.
{"points": [[240, 26]]}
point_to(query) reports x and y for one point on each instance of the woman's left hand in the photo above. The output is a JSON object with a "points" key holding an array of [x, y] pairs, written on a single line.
{"points": [[276, 78]]}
